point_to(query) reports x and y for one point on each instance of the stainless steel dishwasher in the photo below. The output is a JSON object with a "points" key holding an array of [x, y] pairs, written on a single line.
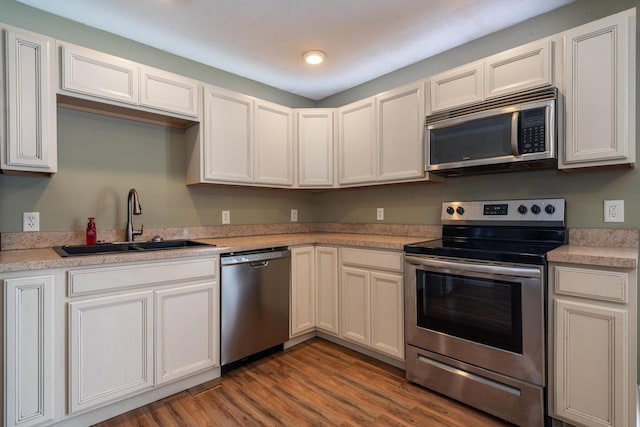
{"points": [[254, 304]]}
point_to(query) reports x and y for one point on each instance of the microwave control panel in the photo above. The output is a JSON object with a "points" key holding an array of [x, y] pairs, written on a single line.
{"points": [[532, 132]]}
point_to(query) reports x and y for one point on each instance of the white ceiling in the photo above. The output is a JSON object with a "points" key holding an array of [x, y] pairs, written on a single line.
{"points": [[264, 40]]}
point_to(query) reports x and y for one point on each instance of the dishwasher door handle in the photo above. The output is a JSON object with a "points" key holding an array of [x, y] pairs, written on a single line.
{"points": [[259, 264]]}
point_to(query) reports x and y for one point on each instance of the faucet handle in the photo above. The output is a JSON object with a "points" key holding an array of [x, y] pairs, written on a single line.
{"points": [[138, 232]]}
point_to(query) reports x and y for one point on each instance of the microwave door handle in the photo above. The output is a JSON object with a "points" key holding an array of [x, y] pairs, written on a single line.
{"points": [[515, 118]]}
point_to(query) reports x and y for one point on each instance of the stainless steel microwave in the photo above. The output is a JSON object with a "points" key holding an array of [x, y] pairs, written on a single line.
{"points": [[514, 132]]}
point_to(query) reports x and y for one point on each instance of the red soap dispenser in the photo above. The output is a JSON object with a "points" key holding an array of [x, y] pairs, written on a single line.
{"points": [[92, 234]]}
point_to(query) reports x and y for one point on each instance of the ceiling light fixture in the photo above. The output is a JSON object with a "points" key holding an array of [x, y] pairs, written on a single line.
{"points": [[314, 57]]}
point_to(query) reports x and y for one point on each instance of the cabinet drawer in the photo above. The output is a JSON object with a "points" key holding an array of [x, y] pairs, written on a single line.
{"points": [[107, 279], [606, 285], [379, 260]]}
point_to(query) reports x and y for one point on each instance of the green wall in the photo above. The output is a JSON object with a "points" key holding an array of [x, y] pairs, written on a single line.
{"points": [[100, 158]]}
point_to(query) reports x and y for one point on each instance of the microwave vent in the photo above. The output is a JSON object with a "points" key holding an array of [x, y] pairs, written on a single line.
{"points": [[490, 104]]}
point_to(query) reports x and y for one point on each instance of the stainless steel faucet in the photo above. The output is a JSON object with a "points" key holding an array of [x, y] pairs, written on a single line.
{"points": [[133, 208]]}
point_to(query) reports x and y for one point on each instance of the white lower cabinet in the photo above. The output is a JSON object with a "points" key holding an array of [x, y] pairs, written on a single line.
{"points": [[28, 350], [111, 348], [187, 330], [136, 327], [327, 289], [371, 300], [314, 290], [302, 318], [593, 345]]}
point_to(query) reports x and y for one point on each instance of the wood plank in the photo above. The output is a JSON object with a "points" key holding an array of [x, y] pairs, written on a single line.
{"points": [[314, 383]]}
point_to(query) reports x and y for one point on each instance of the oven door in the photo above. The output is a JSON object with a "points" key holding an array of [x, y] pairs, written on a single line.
{"points": [[487, 315]]}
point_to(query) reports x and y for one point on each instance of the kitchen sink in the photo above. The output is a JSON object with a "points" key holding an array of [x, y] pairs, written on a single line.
{"points": [[114, 248]]}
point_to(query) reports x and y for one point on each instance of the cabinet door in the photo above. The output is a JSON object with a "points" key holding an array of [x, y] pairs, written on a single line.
{"points": [[169, 92], [187, 330], [457, 87], [387, 314], [590, 371], [227, 122], [273, 144], [28, 351], [599, 74], [302, 290], [355, 305], [521, 68], [97, 74], [327, 289], [357, 142], [315, 147], [111, 348], [400, 114], [29, 141]]}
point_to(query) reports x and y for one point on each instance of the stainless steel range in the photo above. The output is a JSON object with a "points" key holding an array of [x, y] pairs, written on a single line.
{"points": [[475, 305]]}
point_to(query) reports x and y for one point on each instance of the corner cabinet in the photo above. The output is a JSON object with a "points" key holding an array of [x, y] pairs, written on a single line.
{"points": [[28, 141], [371, 300], [593, 338], [381, 138], [243, 140], [28, 350], [314, 290], [600, 92], [315, 142], [303, 284]]}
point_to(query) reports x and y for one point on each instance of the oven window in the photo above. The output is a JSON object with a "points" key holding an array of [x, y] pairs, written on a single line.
{"points": [[486, 311]]}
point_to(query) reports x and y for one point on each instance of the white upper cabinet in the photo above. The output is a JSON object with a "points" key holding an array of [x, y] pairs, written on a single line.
{"points": [[460, 86], [357, 142], [228, 134], [400, 123], [273, 145], [89, 72], [169, 92], [245, 140], [381, 138], [105, 78], [315, 138], [28, 143], [600, 88], [521, 68]]}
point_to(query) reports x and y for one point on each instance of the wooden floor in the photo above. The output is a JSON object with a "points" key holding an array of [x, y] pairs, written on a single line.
{"points": [[316, 383]]}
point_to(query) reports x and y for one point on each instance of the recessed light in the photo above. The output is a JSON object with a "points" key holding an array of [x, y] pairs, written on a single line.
{"points": [[314, 57]]}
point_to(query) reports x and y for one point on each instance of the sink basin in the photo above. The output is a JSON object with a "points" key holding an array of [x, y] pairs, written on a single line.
{"points": [[114, 248]]}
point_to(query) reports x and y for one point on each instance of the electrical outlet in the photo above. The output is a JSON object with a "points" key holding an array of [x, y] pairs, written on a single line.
{"points": [[226, 217], [380, 214], [294, 215], [31, 221], [614, 211]]}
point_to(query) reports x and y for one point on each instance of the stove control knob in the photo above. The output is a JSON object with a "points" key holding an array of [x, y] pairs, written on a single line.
{"points": [[450, 210], [535, 209], [549, 209], [460, 210], [522, 209]]}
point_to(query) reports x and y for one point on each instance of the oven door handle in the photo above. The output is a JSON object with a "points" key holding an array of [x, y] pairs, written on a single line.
{"points": [[458, 266]]}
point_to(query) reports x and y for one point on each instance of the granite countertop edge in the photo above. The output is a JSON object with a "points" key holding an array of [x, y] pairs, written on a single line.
{"points": [[46, 258]]}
